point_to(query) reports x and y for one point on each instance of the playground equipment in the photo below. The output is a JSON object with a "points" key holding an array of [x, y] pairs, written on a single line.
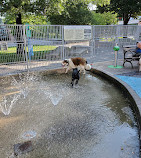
{"points": [[116, 49]]}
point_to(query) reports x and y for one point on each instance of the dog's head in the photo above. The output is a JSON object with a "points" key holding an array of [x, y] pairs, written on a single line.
{"points": [[65, 62]]}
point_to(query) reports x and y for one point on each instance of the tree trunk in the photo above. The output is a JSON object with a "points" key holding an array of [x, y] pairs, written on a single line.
{"points": [[19, 35], [19, 19], [126, 18]]}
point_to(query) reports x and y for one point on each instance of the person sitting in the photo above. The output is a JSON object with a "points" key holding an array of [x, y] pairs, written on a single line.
{"points": [[138, 50]]}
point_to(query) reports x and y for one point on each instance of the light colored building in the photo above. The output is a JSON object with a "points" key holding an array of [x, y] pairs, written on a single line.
{"points": [[132, 21]]}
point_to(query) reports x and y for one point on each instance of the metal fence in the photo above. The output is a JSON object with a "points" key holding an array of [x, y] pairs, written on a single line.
{"points": [[25, 47]]}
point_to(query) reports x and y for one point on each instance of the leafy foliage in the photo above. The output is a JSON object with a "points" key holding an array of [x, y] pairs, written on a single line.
{"points": [[68, 12], [22, 8], [16, 8], [126, 8], [31, 19], [107, 18], [73, 12]]}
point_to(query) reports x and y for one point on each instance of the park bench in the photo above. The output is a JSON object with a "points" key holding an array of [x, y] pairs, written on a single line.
{"points": [[129, 52]]}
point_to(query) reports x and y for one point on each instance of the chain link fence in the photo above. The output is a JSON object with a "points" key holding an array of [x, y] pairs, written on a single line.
{"points": [[25, 47]]}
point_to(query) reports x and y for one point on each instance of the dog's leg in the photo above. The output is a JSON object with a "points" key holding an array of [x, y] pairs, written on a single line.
{"points": [[83, 68], [72, 82], [76, 82], [84, 71], [80, 70], [68, 68]]}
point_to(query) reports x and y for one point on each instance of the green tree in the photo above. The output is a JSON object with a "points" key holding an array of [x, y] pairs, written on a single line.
{"points": [[31, 19], [18, 9], [124, 8], [73, 12], [21, 8], [107, 18]]}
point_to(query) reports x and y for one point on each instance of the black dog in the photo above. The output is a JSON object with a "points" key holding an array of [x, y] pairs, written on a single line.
{"points": [[75, 77]]}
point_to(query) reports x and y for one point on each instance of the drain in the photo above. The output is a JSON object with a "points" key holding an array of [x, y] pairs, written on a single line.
{"points": [[29, 135], [22, 148]]}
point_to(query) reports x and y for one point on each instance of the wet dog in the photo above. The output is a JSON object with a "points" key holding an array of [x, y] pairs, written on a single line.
{"points": [[75, 76], [77, 62]]}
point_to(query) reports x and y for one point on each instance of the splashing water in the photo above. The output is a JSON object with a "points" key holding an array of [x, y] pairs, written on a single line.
{"points": [[55, 92], [6, 105], [55, 96], [28, 135], [22, 85], [55, 99]]}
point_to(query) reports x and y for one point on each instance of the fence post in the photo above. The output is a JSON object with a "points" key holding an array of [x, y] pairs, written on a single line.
{"points": [[63, 51], [137, 34], [93, 39], [26, 56], [117, 34]]}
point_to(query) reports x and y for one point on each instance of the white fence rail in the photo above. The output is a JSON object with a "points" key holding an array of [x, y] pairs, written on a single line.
{"points": [[29, 46]]}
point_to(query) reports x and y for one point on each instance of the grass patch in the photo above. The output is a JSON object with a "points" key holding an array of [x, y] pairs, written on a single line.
{"points": [[43, 48], [35, 48], [11, 57], [40, 52], [10, 50]]}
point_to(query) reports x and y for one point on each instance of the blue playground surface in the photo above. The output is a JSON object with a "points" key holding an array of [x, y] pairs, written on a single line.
{"points": [[133, 81]]}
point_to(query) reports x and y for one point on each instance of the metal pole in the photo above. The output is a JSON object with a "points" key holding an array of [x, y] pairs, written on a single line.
{"points": [[117, 34], [115, 65], [93, 39], [116, 56], [63, 51], [25, 46]]}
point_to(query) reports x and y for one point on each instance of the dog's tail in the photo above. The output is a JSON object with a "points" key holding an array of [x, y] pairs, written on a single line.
{"points": [[88, 67]]}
